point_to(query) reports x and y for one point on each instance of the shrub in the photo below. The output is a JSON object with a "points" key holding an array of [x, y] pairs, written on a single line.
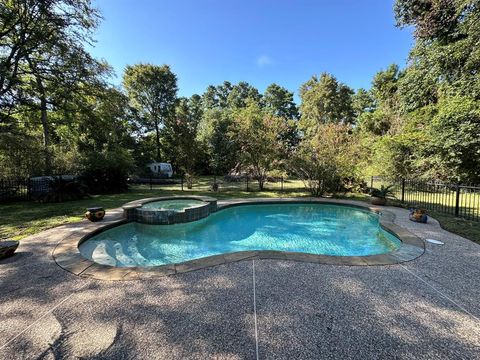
{"points": [[324, 158], [107, 171], [61, 189]]}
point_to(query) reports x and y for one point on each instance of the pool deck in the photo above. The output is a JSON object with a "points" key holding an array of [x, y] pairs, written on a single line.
{"points": [[427, 308]]}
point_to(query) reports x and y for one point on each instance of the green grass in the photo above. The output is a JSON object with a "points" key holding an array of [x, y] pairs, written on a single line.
{"points": [[21, 219], [466, 228]]}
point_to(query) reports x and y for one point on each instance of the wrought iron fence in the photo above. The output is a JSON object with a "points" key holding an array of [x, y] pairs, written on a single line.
{"points": [[448, 198], [14, 189]]}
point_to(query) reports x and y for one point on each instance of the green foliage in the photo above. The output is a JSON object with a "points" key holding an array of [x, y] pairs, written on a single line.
{"points": [[325, 100], [257, 135], [325, 158], [383, 192], [61, 190], [213, 135], [152, 91], [179, 136], [107, 171], [455, 139]]}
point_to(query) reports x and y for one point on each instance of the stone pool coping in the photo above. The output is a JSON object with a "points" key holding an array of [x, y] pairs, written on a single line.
{"points": [[68, 257]]}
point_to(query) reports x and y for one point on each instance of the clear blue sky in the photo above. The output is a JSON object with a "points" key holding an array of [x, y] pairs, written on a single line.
{"points": [[258, 41]]}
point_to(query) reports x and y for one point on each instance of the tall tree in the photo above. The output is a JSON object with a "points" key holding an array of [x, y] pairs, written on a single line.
{"points": [[279, 101], [241, 93], [42, 58], [325, 100], [152, 90], [257, 135]]}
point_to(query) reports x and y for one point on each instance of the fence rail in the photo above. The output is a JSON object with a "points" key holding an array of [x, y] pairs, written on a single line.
{"points": [[453, 199]]}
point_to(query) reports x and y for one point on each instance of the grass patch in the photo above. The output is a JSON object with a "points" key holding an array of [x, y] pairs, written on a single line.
{"points": [[466, 228]]}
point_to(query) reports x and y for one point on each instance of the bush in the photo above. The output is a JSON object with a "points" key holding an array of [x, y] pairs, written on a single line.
{"points": [[61, 190], [107, 172], [324, 158]]}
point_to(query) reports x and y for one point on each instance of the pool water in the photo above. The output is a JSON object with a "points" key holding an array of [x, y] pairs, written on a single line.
{"points": [[174, 204], [307, 228]]}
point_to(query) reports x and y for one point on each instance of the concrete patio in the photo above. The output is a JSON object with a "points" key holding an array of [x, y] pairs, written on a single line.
{"points": [[267, 309]]}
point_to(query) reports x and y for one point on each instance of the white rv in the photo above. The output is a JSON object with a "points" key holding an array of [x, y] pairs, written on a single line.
{"points": [[160, 168]]}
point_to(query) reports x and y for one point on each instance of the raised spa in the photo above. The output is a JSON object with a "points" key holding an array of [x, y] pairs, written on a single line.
{"points": [[169, 210], [321, 229]]}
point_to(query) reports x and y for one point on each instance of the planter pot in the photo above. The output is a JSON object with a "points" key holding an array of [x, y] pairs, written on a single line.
{"points": [[7, 248], [95, 214], [378, 201]]}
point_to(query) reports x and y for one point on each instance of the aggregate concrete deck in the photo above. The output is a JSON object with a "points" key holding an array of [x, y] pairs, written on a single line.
{"points": [[427, 308]]}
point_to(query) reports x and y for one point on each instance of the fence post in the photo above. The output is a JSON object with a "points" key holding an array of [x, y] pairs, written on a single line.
{"points": [[181, 181], [247, 183], [403, 190], [150, 182], [371, 183], [29, 189], [282, 183], [457, 201]]}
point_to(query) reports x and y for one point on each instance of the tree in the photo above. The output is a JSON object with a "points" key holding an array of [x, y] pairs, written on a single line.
{"points": [[180, 135], [324, 159], [241, 93], [213, 135], [152, 91], [279, 102], [325, 100], [43, 60], [257, 135], [217, 96]]}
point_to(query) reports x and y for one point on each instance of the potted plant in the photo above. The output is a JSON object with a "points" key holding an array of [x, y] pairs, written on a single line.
{"points": [[418, 215], [379, 196]]}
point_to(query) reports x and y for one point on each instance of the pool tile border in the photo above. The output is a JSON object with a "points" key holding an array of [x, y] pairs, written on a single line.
{"points": [[68, 257]]}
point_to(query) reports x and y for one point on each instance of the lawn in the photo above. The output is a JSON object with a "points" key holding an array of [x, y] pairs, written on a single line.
{"points": [[21, 219]]}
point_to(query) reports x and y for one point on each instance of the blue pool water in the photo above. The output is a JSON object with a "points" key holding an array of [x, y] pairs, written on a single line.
{"points": [[308, 228], [173, 204]]}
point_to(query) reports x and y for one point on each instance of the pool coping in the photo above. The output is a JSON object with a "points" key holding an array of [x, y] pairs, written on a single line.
{"points": [[68, 257]]}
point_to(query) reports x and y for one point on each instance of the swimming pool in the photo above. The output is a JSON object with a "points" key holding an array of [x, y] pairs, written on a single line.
{"points": [[173, 204], [311, 228]]}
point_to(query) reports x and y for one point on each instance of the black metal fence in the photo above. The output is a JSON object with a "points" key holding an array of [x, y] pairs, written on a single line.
{"points": [[14, 189], [453, 199]]}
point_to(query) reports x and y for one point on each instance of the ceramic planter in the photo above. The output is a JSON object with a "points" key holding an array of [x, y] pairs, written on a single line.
{"points": [[378, 201], [95, 214]]}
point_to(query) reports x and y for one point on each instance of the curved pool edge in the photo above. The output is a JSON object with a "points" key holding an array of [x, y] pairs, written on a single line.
{"points": [[68, 257]]}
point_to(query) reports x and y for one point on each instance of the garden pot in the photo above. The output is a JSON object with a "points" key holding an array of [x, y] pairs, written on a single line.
{"points": [[378, 201], [7, 248], [95, 213]]}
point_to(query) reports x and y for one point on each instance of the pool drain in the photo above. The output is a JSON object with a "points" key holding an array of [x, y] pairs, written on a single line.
{"points": [[433, 241]]}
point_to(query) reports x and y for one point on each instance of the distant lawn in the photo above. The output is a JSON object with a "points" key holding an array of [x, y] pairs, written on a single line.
{"points": [[21, 219]]}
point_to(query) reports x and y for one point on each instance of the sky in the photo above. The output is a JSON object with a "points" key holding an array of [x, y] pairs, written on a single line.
{"points": [[259, 41]]}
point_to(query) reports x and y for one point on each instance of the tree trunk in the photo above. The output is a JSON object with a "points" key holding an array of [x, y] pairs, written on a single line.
{"points": [[46, 134], [157, 130], [45, 127], [43, 118]]}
